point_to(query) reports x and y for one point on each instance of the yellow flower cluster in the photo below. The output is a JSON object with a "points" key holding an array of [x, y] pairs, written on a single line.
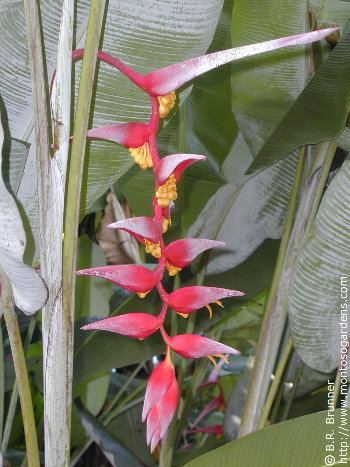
{"points": [[167, 192], [165, 224], [172, 270], [153, 249], [166, 103], [142, 156]]}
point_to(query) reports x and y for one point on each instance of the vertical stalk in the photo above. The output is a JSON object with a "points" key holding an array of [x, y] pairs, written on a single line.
{"points": [[277, 303], [56, 331], [263, 358], [76, 165], [21, 374], [14, 396], [276, 382], [73, 192]]}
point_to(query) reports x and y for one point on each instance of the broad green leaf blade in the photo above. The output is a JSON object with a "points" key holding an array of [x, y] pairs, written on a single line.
{"points": [[320, 111], [245, 213], [316, 306], [264, 87], [336, 11], [299, 442], [28, 288]]}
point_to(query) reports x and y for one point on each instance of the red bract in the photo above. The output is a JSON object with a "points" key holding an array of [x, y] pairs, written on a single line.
{"points": [[141, 228], [129, 135], [131, 277], [175, 164], [188, 299], [195, 346], [170, 78], [161, 401], [181, 253], [135, 325]]}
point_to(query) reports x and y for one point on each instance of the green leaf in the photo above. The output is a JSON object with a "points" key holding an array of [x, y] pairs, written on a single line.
{"points": [[300, 441], [245, 315], [251, 276], [320, 111], [316, 306], [130, 422], [245, 213], [264, 87], [336, 11], [115, 452]]}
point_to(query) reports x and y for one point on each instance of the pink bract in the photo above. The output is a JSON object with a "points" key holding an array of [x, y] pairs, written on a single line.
{"points": [[134, 325]]}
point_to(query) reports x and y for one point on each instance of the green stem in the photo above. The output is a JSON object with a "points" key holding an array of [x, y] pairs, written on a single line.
{"points": [[337, 385], [75, 174], [121, 391], [108, 417], [21, 374], [292, 393], [251, 412], [276, 382], [76, 165], [14, 395]]}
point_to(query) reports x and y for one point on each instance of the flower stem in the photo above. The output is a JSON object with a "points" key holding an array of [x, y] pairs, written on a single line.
{"points": [[14, 395], [21, 373], [276, 382]]}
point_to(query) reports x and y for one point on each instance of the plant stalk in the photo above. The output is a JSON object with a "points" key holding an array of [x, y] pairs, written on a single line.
{"points": [[276, 308], [264, 358], [73, 191], [21, 374], [14, 395], [276, 382]]}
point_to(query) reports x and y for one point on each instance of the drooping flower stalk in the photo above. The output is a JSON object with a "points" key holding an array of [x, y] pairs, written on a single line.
{"points": [[162, 394]]}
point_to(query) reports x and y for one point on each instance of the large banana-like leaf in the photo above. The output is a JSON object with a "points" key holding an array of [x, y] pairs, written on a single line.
{"points": [[245, 213], [146, 35], [28, 288], [297, 442], [316, 301], [319, 113], [263, 88]]}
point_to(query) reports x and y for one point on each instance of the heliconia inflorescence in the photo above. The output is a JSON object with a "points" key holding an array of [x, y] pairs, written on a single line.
{"points": [[162, 393]]}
